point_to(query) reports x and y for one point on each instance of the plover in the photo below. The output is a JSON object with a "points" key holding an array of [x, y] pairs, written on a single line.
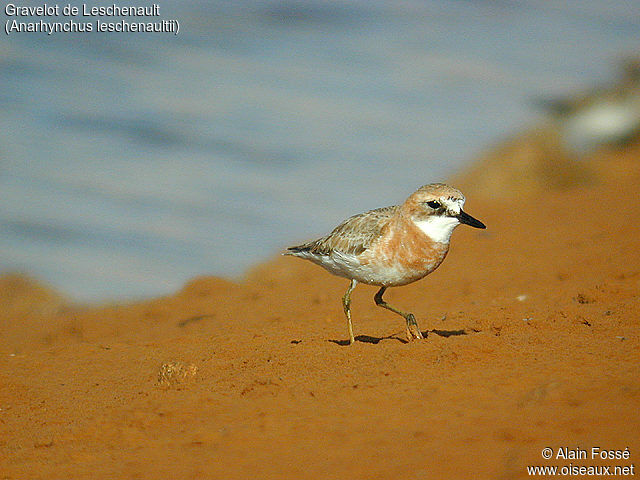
{"points": [[391, 246]]}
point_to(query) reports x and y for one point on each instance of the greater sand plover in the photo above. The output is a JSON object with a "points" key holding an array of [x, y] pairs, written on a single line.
{"points": [[391, 246]]}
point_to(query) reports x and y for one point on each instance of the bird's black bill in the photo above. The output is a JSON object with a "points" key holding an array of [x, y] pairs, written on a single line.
{"points": [[469, 220]]}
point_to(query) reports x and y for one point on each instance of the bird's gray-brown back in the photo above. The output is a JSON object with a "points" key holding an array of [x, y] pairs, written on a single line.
{"points": [[353, 236]]}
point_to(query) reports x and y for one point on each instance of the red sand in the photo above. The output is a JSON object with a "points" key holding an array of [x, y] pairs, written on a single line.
{"points": [[533, 343]]}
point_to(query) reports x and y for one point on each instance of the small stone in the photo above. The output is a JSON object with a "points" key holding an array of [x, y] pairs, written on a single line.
{"points": [[175, 373]]}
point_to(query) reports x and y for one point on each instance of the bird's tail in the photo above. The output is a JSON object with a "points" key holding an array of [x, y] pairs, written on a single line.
{"points": [[297, 249]]}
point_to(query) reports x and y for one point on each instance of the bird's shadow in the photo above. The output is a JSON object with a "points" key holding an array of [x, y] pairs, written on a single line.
{"points": [[448, 333], [376, 340], [368, 339]]}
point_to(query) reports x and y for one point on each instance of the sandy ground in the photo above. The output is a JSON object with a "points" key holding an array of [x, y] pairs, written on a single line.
{"points": [[533, 341]]}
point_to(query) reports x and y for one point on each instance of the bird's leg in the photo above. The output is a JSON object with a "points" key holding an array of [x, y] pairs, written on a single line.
{"points": [[346, 303], [413, 331]]}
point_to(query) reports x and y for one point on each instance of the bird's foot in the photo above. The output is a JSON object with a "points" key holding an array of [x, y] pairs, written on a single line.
{"points": [[413, 331]]}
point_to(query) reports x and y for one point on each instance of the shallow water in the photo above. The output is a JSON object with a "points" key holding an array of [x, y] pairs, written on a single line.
{"points": [[130, 163]]}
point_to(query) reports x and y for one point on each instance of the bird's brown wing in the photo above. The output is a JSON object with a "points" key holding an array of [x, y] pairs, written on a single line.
{"points": [[353, 236]]}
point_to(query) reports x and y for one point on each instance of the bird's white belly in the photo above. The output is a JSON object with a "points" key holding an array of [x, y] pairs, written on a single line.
{"points": [[372, 273]]}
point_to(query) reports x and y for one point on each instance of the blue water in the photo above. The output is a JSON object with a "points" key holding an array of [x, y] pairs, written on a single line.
{"points": [[130, 163]]}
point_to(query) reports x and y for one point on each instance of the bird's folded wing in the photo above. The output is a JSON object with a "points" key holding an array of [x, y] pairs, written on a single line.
{"points": [[353, 236]]}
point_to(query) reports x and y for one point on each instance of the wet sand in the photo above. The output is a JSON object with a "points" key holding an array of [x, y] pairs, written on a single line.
{"points": [[532, 341]]}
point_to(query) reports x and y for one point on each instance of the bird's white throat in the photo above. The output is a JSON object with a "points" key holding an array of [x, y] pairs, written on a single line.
{"points": [[438, 227]]}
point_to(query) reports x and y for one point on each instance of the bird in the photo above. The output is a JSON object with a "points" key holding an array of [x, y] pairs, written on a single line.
{"points": [[391, 246]]}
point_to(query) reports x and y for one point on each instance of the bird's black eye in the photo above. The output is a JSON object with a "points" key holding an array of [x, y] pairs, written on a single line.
{"points": [[433, 204]]}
